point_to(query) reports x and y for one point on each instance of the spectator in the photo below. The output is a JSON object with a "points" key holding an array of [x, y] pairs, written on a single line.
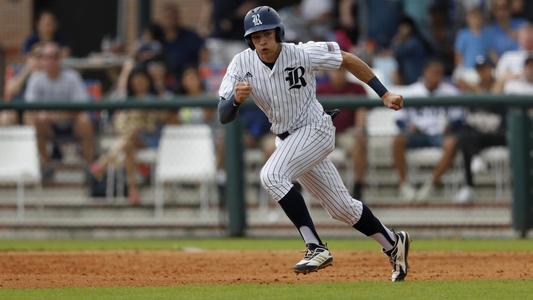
{"points": [[317, 14], [462, 7], [380, 19], [158, 73], [346, 17], [511, 64], [504, 29], [181, 46], [473, 41], [46, 30], [191, 85], [410, 50], [15, 85], [148, 48], [524, 84], [441, 36], [137, 128], [486, 82], [58, 84], [484, 128], [470, 43], [418, 11], [350, 126], [426, 127], [222, 21]]}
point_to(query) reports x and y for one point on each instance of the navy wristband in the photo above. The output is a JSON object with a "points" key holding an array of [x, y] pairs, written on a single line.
{"points": [[377, 86]]}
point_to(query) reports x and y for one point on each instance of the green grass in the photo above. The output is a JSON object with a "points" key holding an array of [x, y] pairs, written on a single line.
{"points": [[486, 289], [256, 244]]}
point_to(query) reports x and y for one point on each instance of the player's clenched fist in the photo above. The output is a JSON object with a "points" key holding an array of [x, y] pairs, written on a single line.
{"points": [[242, 91], [392, 101]]}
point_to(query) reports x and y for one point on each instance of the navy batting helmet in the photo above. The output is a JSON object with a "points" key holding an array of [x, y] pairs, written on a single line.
{"points": [[262, 18]]}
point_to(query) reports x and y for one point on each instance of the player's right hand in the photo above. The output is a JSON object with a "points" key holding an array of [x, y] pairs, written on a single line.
{"points": [[242, 91]]}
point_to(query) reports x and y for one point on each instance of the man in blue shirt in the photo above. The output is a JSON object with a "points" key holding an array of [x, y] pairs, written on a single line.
{"points": [[181, 46], [504, 29]]}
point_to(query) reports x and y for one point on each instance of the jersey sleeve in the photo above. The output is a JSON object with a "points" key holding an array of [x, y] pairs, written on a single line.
{"points": [[323, 55], [231, 77]]}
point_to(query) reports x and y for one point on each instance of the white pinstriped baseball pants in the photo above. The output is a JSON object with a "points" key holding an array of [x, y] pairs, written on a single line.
{"points": [[303, 156]]}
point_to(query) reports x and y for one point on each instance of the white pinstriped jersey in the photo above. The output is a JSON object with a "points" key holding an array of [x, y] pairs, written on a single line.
{"points": [[287, 93]]}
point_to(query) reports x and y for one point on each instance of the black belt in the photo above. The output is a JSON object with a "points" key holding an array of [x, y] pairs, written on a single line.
{"points": [[333, 113]]}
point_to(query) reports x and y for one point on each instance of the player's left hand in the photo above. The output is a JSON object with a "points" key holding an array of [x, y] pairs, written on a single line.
{"points": [[392, 101]]}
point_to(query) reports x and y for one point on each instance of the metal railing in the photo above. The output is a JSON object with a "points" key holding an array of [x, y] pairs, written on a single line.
{"points": [[520, 133]]}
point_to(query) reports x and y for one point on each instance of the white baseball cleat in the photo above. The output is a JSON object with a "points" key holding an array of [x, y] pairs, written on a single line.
{"points": [[398, 256], [316, 257]]}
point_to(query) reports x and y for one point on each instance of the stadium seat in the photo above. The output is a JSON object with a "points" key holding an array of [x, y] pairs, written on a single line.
{"points": [[498, 161], [186, 155], [19, 162]]}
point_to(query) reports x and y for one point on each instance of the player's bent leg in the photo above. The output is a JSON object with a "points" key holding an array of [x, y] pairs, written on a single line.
{"points": [[324, 182]]}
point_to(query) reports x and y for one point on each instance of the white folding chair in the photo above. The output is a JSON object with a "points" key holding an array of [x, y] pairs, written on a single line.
{"points": [[186, 155], [498, 159], [19, 160]]}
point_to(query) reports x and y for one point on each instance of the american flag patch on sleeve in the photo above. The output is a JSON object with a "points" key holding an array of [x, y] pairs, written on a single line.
{"points": [[331, 47]]}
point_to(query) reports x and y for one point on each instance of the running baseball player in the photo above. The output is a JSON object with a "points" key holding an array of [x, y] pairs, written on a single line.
{"points": [[280, 78]]}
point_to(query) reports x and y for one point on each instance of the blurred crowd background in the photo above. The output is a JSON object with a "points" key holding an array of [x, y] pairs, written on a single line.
{"points": [[86, 51]]}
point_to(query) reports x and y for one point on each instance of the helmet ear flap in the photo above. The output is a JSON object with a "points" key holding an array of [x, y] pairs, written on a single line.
{"points": [[280, 34]]}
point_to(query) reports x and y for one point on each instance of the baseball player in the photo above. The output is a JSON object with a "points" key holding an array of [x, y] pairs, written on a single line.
{"points": [[280, 78]]}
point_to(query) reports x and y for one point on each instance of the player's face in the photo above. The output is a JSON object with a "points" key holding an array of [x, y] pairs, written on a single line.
{"points": [[265, 44]]}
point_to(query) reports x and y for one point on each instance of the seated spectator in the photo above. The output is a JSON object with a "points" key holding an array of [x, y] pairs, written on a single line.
{"points": [[511, 64], [181, 46], [441, 35], [486, 82], [522, 85], [471, 43], [426, 127], [46, 30], [350, 126], [54, 83], [410, 50], [484, 128], [191, 85], [137, 128], [503, 30], [16, 84], [158, 73]]}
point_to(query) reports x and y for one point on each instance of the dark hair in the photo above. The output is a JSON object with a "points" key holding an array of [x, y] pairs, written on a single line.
{"points": [[181, 88], [140, 70], [528, 60], [156, 32], [434, 61], [41, 14], [405, 20]]}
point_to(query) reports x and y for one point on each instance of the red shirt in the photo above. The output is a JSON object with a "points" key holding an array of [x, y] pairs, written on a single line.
{"points": [[346, 118]]}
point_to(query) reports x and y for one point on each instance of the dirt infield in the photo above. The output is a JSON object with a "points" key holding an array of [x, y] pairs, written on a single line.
{"points": [[160, 268]]}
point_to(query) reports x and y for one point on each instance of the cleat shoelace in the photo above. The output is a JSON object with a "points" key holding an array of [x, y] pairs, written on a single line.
{"points": [[311, 253]]}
